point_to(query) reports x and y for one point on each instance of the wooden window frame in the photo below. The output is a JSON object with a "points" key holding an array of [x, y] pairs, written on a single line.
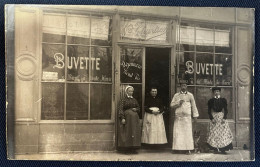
{"points": [[89, 120]]}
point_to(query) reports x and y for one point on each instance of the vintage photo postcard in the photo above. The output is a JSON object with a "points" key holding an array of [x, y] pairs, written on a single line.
{"points": [[129, 83]]}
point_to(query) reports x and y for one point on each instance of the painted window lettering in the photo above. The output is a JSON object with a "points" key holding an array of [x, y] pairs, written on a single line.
{"points": [[203, 68], [76, 62]]}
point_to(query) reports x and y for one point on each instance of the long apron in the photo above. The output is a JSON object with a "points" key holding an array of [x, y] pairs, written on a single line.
{"points": [[153, 129], [220, 135], [129, 134], [182, 129]]}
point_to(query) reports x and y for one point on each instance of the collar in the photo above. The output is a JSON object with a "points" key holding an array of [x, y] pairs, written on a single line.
{"points": [[181, 92], [130, 97], [217, 97]]}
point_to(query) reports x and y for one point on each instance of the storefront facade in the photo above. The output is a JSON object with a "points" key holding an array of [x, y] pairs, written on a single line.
{"points": [[73, 63]]}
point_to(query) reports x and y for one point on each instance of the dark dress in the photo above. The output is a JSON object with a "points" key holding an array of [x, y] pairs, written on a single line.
{"points": [[220, 136], [129, 134]]}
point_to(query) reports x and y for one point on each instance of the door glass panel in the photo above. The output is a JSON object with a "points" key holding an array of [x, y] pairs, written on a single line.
{"points": [[131, 65]]}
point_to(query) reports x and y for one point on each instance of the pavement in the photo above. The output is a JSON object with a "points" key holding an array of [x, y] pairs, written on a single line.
{"points": [[142, 155]]}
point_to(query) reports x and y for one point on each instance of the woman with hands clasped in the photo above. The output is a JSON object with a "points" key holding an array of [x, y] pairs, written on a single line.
{"points": [[153, 125], [220, 136], [129, 129]]}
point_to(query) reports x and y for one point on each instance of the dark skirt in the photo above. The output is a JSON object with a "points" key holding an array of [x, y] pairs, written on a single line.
{"points": [[129, 134]]}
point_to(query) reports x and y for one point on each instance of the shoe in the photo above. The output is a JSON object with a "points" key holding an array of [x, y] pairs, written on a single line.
{"points": [[188, 152], [216, 152], [223, 152]]}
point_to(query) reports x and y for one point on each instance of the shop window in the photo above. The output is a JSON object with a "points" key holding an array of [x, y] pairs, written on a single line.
{"points": [[76, 67], [205, 59], [204, 68], [52, 101], [137, 29]]}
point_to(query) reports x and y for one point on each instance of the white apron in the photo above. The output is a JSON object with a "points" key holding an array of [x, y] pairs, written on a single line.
{"points": [[182, 129], [153, 129]]}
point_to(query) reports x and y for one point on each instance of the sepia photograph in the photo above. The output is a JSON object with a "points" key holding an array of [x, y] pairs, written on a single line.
{"points": [[129, 83]]}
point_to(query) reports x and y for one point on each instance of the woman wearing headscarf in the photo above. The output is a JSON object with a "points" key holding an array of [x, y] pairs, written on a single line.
{"points": [[220, 136], [129, 130]]}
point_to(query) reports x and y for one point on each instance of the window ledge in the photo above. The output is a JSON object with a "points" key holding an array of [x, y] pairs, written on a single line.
{"points": [[77, 122]]}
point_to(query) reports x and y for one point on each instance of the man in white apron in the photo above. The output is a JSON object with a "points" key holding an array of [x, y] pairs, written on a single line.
{"points": [[185, 108]]}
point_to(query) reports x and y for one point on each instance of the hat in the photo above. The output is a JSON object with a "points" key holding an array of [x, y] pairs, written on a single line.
{"points": [[216, 88], [183, 81]]}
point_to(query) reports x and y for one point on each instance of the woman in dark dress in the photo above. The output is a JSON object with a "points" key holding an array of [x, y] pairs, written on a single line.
{"points": [[220, 136], [129, 130]]}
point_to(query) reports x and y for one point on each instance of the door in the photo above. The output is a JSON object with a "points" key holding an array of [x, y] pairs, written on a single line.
{"points": [[157, 74]]}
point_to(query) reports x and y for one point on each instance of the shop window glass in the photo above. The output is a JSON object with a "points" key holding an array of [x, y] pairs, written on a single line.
{"points": [[187, 38], [204, 68], [131, 65], [101, 64], [186, 66], [204, 39], [101, 31], [223, 40], [224, 74], [144, 30], [52, 101], [78, 30], [72, 67], [204, 94], [212, 42], [78, 64], [53, 62], [54, 23], [77, 40], [100, 101], [77, 101], [53, 38]]}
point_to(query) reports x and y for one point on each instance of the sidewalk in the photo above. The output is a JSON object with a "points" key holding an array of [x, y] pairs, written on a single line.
{"points": [[143, 155]]}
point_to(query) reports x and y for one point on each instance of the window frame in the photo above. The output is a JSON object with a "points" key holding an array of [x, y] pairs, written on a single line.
{"points": [[89, 82], [232, 54]]}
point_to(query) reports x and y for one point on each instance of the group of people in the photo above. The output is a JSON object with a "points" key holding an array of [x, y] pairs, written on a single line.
{"points": [[131, 134]]}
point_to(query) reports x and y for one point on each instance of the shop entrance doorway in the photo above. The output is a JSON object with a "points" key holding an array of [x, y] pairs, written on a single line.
{"points": [[157, 73]]}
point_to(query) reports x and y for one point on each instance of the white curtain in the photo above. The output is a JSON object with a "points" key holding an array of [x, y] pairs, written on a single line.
{"points": [[204, 36]]}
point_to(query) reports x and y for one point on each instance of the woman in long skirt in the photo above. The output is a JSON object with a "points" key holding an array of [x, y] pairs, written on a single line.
{"points": [[129, 130], [220, 136], [153, 125]]}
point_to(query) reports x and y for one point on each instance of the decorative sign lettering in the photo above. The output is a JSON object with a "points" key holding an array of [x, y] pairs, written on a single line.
{"points": [[142, 30], [203, 68], [76, 62], [131, 70]]}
